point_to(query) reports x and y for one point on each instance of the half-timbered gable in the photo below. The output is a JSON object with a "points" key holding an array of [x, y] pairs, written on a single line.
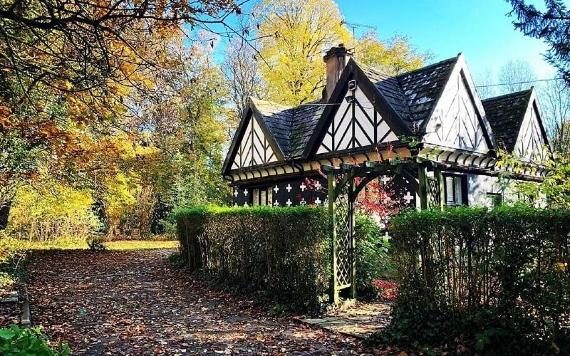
{"points": [[253, 144], [254, 148], [516, 121], [458, 119], [355, 125], [531, 140], [358, 117]]}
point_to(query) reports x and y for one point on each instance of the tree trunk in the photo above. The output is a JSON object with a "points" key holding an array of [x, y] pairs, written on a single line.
{"points": [[4, 212]]}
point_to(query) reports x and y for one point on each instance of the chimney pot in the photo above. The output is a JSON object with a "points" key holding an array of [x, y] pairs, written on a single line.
{"points": [[335, 61]]}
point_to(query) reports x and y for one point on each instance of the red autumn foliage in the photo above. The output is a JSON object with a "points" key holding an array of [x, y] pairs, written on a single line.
{"points": [[379, 199], [387, 290]]}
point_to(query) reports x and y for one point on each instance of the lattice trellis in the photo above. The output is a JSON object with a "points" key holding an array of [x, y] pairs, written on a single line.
{"points": [[344, 232], [433, 192], [342, 193]]}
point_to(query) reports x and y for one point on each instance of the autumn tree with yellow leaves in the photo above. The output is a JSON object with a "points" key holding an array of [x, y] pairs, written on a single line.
{"points": [[293, 35], [393, 57], [69, 77], [119, 110]]}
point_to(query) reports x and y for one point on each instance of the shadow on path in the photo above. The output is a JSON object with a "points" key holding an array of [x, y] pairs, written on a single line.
{"points": [[133, 302]]}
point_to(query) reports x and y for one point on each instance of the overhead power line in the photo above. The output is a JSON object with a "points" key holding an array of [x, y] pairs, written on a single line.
{"points": [[514, 83]]}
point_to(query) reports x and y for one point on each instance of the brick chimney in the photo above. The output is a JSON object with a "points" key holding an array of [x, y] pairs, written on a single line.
{"points": [[335, 60]]}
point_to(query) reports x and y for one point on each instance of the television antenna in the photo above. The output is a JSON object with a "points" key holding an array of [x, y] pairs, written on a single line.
{"points": [[354, 26]]}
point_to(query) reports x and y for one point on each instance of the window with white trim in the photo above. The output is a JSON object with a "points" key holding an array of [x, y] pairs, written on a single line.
{"points": [[262, 196], [496, 199], [455, 190]]}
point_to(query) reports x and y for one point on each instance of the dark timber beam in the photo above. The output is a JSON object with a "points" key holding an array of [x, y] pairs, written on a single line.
{"points": [[438, 173], [422, 185], [352, 198]]}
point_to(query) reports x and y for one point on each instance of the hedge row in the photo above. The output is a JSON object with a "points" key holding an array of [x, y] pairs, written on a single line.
{"points": [[281, 252], [492, 281]]}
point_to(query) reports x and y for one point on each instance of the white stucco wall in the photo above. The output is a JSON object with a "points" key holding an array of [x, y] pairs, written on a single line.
{"points": [[479, 186]]}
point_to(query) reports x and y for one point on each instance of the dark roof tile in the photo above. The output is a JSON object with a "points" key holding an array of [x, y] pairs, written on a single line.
{"points": [[291, 127], [305, 119], [505, 114], [413, 94], [278, 120], [391, 90], [422, 88]]}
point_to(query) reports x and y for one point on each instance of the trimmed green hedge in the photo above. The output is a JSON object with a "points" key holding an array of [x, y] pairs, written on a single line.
{"points": [[281, 252], [487, 281]]}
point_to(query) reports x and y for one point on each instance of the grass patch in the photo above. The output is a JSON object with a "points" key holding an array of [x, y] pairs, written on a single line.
{"points": [[139, 244], [58, 244], [81, 244]]}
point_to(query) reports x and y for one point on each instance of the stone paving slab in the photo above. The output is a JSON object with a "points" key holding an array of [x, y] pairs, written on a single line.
{"points": [[359, 319]]}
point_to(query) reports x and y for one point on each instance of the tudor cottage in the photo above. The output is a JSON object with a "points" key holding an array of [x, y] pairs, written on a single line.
{"points": [[431, 115]]}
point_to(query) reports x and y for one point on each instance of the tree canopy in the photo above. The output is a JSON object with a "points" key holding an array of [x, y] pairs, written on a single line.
{"points": [[108, 99], [122, 111], [551, 25], [293, 35]]}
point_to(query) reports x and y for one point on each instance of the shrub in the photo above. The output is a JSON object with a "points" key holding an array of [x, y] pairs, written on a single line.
{"points": [[24, 341], [492, 282], [176, 259], [280, 252], [12, 264], [385, 290], [373, 255]]}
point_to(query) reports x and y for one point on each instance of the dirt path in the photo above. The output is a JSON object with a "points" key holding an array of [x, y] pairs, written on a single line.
{"points": [[133, 302]]}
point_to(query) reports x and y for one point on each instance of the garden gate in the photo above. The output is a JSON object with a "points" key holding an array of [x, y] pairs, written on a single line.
{"points": [[343, 189]]}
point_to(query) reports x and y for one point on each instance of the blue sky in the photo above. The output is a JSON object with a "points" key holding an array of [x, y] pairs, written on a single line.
{"points": [[480, 29]]}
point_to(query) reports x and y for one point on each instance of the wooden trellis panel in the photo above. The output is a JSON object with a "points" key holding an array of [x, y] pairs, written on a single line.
{"points": [[341, 215], [342, 194], [433, 192]]}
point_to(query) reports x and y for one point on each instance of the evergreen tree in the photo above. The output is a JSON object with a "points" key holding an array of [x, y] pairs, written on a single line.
{"points": [[551, 25]]}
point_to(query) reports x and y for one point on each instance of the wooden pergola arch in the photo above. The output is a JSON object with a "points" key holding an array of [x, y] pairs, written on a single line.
{"points": [[345, 182]]}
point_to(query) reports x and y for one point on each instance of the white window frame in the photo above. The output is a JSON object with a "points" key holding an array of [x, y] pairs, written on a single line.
{"points": [[455, 183]]}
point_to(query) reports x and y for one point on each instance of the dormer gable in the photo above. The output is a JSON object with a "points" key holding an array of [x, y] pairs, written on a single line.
{"points": [[458, 120], [253, 143], [532, 141], [357, 117], [516, 121]]}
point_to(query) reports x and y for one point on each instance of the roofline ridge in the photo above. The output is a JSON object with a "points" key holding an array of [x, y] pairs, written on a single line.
{"points": [[530, 90], [376, 69], [253, 100], [428, 66]]}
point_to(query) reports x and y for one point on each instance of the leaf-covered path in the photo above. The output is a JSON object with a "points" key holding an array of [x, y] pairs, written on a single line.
{"points": [[133, 302]]}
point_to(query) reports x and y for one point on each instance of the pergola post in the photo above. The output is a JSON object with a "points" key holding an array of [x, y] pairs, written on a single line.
{"points": [[441, 181], [334, 293], [422, 186], [352, 199], [342, 193]]}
